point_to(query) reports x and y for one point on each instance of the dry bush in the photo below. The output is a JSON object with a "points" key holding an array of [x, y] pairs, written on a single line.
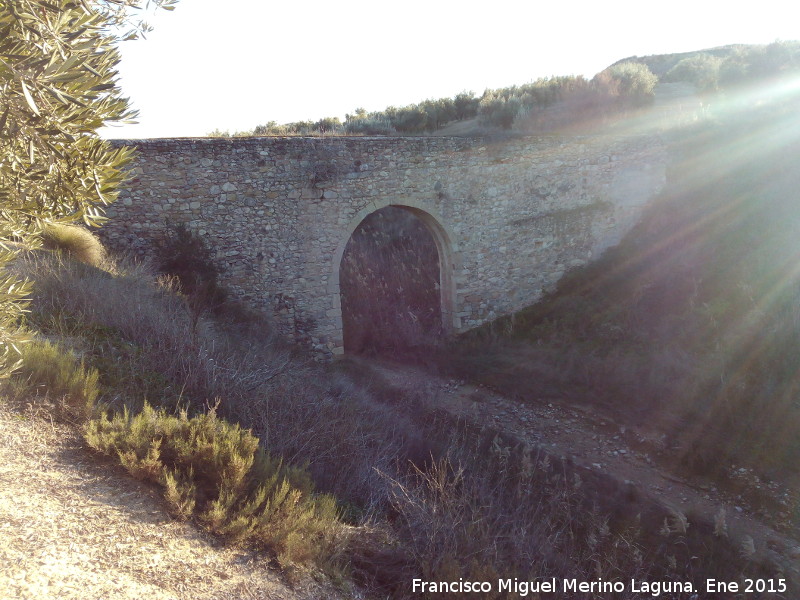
{"points": [[495, 508], [75, 241], [140, 334], [137, 325], [503, 511], [182, 254], [335, 426], [216, 472]]}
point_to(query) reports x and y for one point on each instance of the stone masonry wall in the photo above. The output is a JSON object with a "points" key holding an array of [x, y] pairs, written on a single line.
{"points": [[509, 218]]}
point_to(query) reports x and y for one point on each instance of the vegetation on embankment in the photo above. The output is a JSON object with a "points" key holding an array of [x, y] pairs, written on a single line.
{"points": [[613, 91], [564, 103], [422, 494], [691, 325]]}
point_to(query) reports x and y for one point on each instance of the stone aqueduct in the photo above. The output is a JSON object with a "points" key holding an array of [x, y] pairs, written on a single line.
{"points": [[508, 217]]}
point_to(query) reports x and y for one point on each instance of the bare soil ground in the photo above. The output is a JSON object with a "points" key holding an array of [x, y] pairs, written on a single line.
{"points": [[74, 528], [754, 509]]}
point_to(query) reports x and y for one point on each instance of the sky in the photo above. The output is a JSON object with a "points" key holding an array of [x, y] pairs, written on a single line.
{"points": [[240, 63]]}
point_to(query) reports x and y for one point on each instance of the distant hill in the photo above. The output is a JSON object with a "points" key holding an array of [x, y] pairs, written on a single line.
{"points": [[660, 64]]}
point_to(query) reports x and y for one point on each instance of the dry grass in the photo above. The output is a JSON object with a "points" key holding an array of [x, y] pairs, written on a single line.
{"points": [[52, 374], [472, 504], [76, 530], [691, 324], [142, 338], [140, 335], [496, 507], [499, 511], [75, 241]]}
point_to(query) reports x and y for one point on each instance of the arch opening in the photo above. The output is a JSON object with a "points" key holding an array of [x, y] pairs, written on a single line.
{"points": [[394, 283]]}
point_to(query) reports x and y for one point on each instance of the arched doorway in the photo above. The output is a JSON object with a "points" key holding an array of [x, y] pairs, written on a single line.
{"points": [[395, 281]]}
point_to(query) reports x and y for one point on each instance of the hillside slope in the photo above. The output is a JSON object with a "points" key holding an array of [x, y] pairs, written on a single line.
{"points": [[618, 461], [660, 64], [691, 323], [71, 528]]}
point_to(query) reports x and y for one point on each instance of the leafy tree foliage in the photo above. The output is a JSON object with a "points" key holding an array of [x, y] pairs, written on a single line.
{"points": [[737, 66], [554, 103], [617, 88], [701, 70], [57, 87], [426, 116], [636, 83]]}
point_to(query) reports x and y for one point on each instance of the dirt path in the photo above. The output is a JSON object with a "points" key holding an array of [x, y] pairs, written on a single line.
{"points": [[628, 455], [72, 528]]}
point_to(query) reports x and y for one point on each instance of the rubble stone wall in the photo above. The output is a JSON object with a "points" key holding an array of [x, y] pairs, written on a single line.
{"points": [[508, 217]]}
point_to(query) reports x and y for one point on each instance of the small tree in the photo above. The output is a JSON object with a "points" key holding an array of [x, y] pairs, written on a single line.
{"points": [[701, 70], [57, 87], [634, 82], [466, 105]]}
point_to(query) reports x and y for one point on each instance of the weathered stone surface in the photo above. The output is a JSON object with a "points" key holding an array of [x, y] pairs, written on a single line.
{"points": [[507, 217]]}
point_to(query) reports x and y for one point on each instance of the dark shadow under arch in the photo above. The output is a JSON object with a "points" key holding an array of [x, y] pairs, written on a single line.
{"points": [[395, 281]]}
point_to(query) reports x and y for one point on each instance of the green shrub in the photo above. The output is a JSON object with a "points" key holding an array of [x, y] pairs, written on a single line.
{"points": [[634, 81], [701, 70], [369, 125], [217, 472], [61, 376], [74, 241]]}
